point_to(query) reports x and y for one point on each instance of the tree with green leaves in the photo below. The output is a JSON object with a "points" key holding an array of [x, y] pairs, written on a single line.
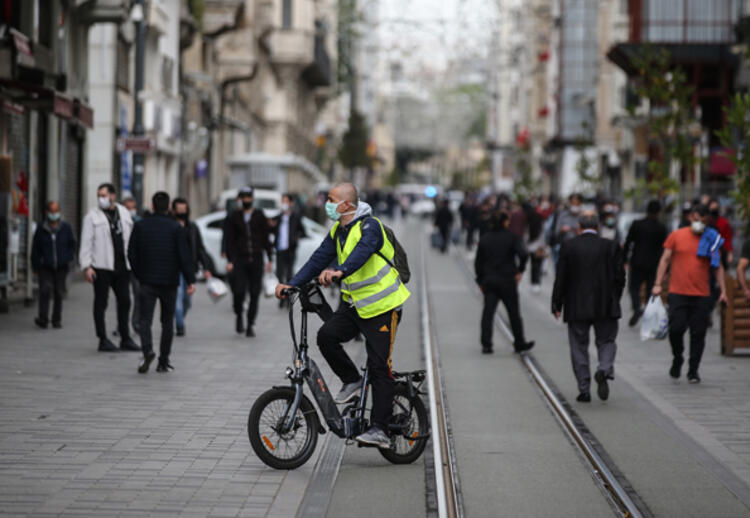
{"points": [[735, 137], [670, 123], [353, 150], [588, 181]]}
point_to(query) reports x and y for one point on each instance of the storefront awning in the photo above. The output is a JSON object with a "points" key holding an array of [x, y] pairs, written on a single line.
{"points": [[720, 163], [35, 97]]}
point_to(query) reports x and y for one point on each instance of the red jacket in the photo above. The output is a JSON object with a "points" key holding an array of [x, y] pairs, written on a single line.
{"points": [[725, 229]]}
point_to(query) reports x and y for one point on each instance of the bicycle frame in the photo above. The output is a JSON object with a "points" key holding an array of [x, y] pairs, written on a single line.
{"points": [[353, 420], [305, 369]]}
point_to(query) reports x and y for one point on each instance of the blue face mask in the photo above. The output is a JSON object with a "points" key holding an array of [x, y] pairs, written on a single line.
{"points": [[331, 212], [53, 216]]}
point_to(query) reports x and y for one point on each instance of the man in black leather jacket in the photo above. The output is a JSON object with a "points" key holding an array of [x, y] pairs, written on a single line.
{"points": [[499, 264]]}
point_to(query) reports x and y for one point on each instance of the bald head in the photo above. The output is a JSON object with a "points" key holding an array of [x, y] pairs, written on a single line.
{"points": [[344, 191], [53, 206]]}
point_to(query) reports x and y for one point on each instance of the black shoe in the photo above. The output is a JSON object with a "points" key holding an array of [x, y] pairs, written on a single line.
{"points": [[693, 377], [180, 331], [127, 344], [603, 387], [164, 366], [40, 323], [250, 331], [143, 369], [487, 350], [240, 325], [525, 347], [57, 325], [635, 318], [106, 346], [674, 371], [584, 397]]}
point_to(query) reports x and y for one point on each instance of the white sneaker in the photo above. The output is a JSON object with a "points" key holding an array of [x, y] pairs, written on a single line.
{"points": [[348, 392]]}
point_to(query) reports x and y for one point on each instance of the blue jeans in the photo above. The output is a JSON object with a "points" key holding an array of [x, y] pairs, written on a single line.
{"points": [[183, 304]]}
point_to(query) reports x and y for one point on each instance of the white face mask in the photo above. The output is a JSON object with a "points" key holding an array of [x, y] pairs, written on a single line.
{"points": [[133, 213], [284, 207], [698, 227], [104, 202]]}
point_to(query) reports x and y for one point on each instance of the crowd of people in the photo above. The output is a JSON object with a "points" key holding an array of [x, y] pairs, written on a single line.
{"points": [[593, 263], [157, 255]]}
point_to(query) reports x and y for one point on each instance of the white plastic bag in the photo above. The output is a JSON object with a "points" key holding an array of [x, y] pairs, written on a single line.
{"points": [[269, 285], [655, 324], [216, 288]]}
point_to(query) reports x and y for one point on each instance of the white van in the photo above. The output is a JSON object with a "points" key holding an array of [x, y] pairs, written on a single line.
{"points": [[266, 200]]}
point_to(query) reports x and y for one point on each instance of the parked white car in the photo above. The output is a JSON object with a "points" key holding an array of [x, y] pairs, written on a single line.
{"points": [[266, 200], [211, 225]]}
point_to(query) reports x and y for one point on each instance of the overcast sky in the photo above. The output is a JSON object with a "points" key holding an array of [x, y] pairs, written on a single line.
{"points": [[432, 32]]}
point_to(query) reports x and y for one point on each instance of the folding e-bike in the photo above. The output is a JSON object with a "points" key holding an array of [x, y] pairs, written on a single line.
{"points": [[283, 425]]}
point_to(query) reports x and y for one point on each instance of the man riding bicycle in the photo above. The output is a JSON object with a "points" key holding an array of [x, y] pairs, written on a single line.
{"points": [[372, 295]]}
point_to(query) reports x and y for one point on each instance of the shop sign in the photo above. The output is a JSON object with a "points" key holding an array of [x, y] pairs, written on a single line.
{"points": [[136, 144]]}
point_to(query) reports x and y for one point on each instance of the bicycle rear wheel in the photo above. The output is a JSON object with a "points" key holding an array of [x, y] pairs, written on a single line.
{"points": [[410, 440], [282, 450]]}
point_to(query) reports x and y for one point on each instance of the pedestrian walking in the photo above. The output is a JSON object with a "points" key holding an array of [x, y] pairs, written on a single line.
{"points": [[52, 249], [444, 223], [642, 250], [247, 236], [691, 261], [199, 258], [135, 316], [536, 247], [103, 258], [159, 253], [499, 265], [373, 296], [566, 225], [287, 230], [589, 283]]}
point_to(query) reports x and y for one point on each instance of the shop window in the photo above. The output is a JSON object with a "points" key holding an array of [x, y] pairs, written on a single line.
{"points": [[286, 14]]}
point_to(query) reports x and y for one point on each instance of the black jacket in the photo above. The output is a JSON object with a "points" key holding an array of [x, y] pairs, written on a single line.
{"points": [[296, 230], [443, 218], [158, 251], [643, 246], [198, 254], [237, 234], [500, 256], [590, 279], [45, 255]]}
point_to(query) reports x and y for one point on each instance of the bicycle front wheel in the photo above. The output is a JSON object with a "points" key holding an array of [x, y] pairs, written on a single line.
{"points": [[276, 447], [410, 415]]}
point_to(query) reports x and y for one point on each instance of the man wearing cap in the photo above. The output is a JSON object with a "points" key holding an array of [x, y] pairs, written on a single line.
{"points": [[246, 237]]}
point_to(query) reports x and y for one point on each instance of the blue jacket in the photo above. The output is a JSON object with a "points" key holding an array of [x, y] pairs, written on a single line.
{"points": [[710, 246], [53, 250], [325, 255]]}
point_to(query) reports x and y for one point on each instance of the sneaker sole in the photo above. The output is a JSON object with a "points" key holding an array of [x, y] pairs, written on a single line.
{"points": [[373, 443], [352, 397]]}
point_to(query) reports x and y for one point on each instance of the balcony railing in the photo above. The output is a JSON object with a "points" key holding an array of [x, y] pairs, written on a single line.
{"points": [[683, 21]]}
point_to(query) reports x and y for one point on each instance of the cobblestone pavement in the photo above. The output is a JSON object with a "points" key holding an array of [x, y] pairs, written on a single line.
{"points": [[83, 434]]}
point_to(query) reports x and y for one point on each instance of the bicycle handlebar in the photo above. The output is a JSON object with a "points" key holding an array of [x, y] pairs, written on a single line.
{"points": [[294, 289]]}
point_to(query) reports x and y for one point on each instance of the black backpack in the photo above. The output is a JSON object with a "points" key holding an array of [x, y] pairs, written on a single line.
{"points": [[400, 261]]}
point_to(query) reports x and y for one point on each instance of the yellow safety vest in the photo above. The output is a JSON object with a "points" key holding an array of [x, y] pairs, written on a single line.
{"points": [[375, 288]]}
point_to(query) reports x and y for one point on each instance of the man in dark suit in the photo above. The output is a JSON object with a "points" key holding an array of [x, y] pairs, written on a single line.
{"points": [[158, 253], [499, 265], [247, 235], [643, 248], [589, 283], [288, 230]]}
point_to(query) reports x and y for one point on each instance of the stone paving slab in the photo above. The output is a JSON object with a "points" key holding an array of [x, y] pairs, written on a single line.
{"points": [[83, 434]]}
